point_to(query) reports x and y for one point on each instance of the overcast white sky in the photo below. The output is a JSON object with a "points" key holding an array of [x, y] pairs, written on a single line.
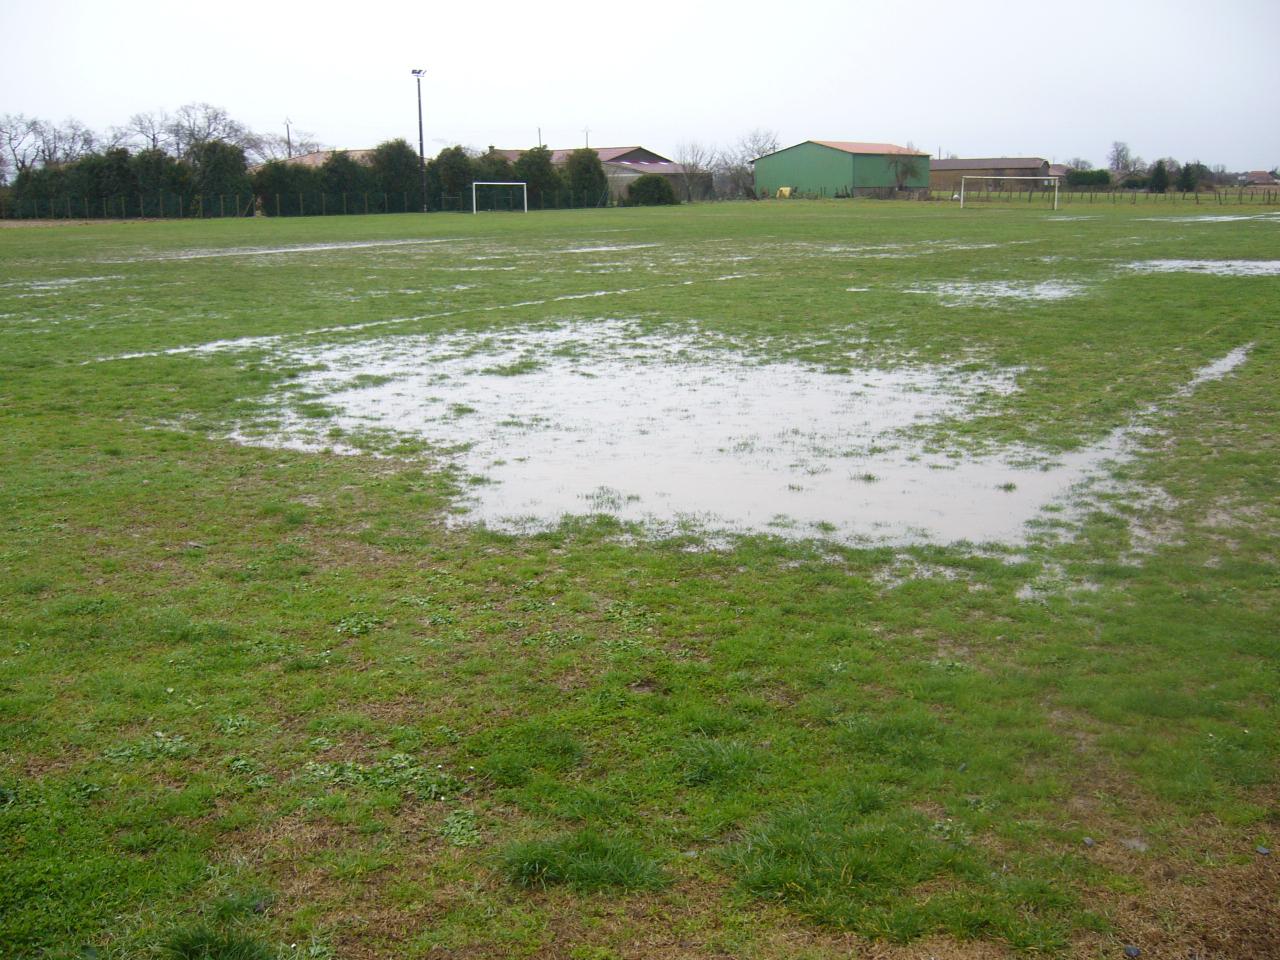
{"points": [[1171, 78]]}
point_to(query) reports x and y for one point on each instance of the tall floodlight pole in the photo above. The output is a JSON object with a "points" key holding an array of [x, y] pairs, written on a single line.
{"points": [[422, 154]]}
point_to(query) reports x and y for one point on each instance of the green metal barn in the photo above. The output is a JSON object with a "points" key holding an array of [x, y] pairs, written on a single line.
{"points": [[830, 168]]}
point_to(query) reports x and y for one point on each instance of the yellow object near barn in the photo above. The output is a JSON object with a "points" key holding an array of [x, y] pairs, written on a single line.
{"points": [[784, 193]]}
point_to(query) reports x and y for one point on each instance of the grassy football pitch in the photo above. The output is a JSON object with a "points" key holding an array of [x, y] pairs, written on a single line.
{"points": [[792, 579]]}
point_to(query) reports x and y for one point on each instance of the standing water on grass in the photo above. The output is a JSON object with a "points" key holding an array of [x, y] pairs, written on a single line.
{"points": [[675, 433]]}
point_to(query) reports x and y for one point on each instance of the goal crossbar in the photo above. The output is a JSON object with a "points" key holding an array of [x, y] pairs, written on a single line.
{"points": [[524, 190], [1041, 179]]}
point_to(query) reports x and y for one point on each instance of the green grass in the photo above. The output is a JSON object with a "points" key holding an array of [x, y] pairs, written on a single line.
{"points": [[585, 861], [267, 702], [203, 943]]}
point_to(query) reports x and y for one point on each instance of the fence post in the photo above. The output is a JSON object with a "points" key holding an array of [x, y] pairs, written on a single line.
{"points": [[366, 203]]}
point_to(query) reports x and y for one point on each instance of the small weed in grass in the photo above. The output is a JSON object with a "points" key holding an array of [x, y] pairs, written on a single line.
{"points": [[460, 829], [398, 772], [234, 725], [584, 861], [158, 745], [357, 624]]}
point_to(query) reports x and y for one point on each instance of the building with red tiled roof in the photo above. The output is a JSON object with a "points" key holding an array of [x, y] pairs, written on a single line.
{"points": [[622, 165]]}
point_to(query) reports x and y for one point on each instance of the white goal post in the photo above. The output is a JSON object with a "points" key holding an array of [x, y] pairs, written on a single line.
{"points": [[524, 190], [1041, 179]]}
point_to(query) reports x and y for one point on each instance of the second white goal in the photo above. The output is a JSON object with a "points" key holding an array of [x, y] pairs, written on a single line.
{"points": [[524, 193]]}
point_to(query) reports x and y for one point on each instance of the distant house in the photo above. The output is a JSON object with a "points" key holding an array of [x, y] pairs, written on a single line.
{"points": [[1259, 178], [622, 165], [830, 168], [946, 174], [1059, 170]]}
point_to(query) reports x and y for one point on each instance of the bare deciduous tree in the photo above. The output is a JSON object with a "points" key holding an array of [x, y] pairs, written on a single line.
{"points": [[1119, 157], [1122, 162], [115, 137], [733, 166], [695, 161], [757, 143], [150, 130], [18, 141], [61, 143], [265, 147], [1079, 163], [195, 124]]}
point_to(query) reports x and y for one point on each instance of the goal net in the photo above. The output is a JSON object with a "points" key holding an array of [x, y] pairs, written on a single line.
{"points": [[499, 195], [985, 184]]}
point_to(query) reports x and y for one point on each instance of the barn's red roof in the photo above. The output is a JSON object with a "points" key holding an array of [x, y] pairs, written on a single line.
{"points": [[850, 146]]}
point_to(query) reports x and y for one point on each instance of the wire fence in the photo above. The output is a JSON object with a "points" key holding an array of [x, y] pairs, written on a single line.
{"points": [[165, 206], [1218, 197]]}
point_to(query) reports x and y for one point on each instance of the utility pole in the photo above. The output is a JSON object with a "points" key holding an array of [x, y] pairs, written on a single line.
{"points": [[288, 139], [422, 154]]}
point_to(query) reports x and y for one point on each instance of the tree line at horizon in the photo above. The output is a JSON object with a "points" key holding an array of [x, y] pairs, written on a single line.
{"points": [[1129, 171], [199, 151]]}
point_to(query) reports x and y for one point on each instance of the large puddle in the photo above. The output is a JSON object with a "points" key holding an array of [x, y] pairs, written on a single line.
{"points": [[1217, 268], [681, 432], [961, 293], [274, 251]]}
